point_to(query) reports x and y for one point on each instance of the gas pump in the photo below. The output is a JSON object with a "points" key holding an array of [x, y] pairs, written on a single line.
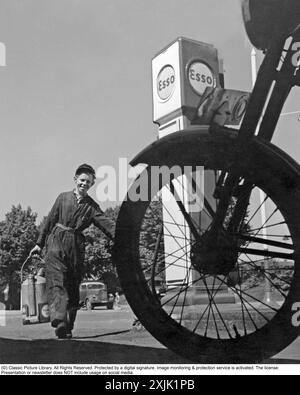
{"points": [[34, 302], [188, 93]]}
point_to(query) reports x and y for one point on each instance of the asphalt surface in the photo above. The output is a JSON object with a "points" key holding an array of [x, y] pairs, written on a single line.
{"points": [[100, 337]]}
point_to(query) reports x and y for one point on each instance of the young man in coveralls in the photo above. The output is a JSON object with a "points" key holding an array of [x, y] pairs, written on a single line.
{"points": [[72, 213]]}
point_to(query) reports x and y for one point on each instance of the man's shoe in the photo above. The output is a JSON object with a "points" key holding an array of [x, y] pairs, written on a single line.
{"points": [[61, 331], [69, 334]]}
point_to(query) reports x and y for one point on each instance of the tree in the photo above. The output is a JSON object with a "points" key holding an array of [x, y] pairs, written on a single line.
{"points": [[152, 254], [18, 234], [98, 260]]}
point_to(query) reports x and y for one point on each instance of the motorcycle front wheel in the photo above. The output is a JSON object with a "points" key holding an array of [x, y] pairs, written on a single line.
{"points": [[242, 309]]}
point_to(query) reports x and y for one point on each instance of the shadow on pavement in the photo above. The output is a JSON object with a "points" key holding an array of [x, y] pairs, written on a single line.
{"points": [[102, 335], [82, 352]]}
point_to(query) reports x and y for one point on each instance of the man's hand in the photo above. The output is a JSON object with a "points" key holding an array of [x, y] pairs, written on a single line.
{"points": [[35, 251]]}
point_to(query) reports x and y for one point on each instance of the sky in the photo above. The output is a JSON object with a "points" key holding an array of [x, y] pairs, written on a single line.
{"points": [[77, 85]]}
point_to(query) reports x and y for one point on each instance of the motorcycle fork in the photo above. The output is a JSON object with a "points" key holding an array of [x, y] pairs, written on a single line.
{"points": [[277, 75]]}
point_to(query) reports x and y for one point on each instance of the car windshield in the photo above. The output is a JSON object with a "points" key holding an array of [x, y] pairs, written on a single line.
{"points": [[96, 286]]}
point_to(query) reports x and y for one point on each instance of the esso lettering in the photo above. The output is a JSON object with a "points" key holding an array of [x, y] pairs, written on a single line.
{"points": [[200, 77], [166, 83], [205, 79]]}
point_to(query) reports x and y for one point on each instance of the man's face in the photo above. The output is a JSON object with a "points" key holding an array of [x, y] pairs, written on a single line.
{"points": [[83, 183]]}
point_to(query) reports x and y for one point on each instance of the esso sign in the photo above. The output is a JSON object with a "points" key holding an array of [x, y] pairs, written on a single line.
{"points": [[166, 82], [45, 311], [200, 77]]}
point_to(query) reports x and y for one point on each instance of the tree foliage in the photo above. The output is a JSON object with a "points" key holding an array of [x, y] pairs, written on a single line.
{"points": [[152, 241], [18, 234], [98, 260]]}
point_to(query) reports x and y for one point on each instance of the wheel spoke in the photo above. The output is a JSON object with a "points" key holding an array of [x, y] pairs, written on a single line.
{"points": [[263, 241], [209, 211], [268, 277], [259, 269], [170, 264], [267, 220], [174, 222], [183, 304], [177, 242], [239, 293], [244, 307], [207, 307], [271, 254], [284, 237], [267, 227], [181, 290], [185, 214], [186, 280], [217, 309], [256, 211], [256, 300], [210, 311]]}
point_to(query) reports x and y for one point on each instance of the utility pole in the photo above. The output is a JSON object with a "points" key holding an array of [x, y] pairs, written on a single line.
{"points": [[268, 300]]}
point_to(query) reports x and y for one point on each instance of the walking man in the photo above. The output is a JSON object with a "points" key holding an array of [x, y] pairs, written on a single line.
{"points": [[62, 236]]}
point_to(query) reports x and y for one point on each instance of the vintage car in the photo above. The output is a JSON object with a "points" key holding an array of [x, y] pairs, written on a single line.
{"points": [[94, 293]]}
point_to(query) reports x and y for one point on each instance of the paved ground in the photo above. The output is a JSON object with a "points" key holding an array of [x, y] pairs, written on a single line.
{"points": [[101, 337]]}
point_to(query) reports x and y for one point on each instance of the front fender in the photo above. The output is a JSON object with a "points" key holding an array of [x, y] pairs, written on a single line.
{"points": [[177, 147]]}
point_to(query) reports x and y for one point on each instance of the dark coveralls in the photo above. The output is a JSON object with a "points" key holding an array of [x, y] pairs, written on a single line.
{"points": [[65, 249]]}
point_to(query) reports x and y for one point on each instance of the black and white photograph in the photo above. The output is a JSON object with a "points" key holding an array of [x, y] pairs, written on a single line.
{"points": [[150, 190]]}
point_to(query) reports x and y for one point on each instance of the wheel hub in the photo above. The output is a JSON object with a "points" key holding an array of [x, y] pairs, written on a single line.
{"points": [[215, 254]]}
